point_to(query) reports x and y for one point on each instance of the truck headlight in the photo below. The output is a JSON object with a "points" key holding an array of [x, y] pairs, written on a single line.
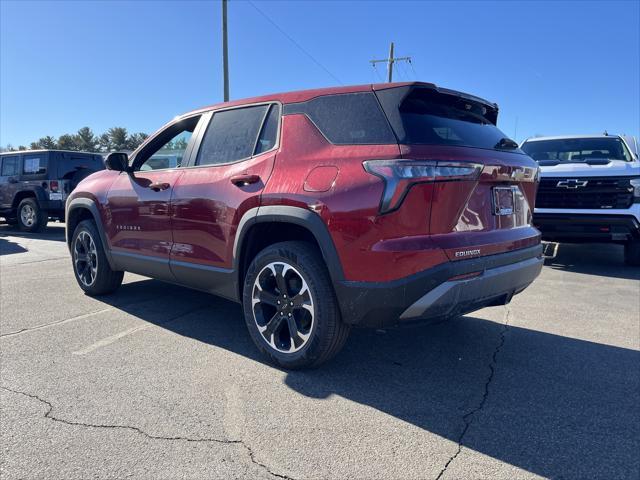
{"points": [[635, 183]]}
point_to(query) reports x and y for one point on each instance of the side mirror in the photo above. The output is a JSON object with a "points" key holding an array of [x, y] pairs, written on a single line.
{"points": [[118, 161]]}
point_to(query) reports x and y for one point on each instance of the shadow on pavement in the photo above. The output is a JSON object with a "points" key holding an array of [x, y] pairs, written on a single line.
{"points": [[604, 259], [53, 231], [7, 247], [555, 406]]}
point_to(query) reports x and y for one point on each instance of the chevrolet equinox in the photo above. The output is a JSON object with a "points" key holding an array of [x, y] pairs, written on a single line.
{"points": [[371, 205]]}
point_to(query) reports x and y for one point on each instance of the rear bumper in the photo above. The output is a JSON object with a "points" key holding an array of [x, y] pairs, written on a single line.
{"points": [[437, 292], [575, 228]]}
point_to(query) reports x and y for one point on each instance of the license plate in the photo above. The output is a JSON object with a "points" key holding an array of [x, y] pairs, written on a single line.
{"points": [[55, 196], [503, 201]]}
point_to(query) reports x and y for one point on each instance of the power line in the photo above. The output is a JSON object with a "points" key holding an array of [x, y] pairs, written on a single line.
{"points": [[294, 42], [390, 61], [413, 69], [377, 72]]}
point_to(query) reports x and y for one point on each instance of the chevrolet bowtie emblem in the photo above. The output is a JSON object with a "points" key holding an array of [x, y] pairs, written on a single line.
{"points": [[572, 183]]}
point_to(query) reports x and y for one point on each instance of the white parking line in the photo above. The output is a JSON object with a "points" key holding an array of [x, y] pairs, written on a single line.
{"points": [[109, 340]]}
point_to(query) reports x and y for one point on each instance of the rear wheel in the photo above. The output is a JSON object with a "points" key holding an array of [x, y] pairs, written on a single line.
{"points": [[632, 253], [290, 307], [90, 265], [31, 218]]}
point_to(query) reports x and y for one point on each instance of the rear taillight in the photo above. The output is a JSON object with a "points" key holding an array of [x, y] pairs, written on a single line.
{"points": [[54, 185], [400, 175]]}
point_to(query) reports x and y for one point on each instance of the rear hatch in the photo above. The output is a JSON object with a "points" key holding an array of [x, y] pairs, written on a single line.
{"points": [[487, 208]]}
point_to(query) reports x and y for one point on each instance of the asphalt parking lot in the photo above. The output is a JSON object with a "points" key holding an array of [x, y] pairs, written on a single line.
{"points": [[158, 381]]}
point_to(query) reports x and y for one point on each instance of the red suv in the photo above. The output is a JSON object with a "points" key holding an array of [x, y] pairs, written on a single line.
{"points": [[370, 205]]}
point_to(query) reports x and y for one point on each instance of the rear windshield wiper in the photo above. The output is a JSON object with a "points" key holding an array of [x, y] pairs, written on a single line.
{"points": [[506, 143]]}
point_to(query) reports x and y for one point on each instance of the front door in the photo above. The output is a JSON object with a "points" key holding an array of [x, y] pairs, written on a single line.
{"points": [[138, 202], [233, 163]]}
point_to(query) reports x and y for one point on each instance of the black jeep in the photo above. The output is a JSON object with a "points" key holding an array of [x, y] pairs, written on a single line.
{"points": [[34, 184]]}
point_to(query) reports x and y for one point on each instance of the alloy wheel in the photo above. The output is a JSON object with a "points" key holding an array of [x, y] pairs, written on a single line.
{"points": [[28, 215], [283, 307], [85, 258]]}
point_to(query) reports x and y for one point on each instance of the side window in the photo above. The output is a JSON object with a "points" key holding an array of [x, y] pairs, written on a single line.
{"points": [[269, 133], [33, 164], [347, 119], [168, 148], [10, 166], [231, 135]]}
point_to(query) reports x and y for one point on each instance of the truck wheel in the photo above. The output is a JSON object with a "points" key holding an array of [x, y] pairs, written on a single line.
{"points": [[90, 265], [632, 253], [290, 307], [31, 218]]}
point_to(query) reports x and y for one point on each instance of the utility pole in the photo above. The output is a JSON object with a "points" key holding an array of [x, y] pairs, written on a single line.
{"points": [[390, 61], [225, 51]]}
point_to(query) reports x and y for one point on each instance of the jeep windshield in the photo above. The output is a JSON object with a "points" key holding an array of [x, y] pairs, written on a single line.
{"points": [[577, 150]]}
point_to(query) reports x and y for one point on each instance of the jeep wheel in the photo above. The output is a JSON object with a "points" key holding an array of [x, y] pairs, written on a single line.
{"points": [[290, 307], [90, 265], [632, 253], [31, 218]]}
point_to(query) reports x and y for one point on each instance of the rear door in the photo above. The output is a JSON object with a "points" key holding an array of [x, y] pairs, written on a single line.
{"points": [[9, 172], [234, 160], [138, 202]]}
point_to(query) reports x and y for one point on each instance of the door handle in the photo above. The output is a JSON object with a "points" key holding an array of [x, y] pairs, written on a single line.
{"points": [[156, 187], [244, 179]]}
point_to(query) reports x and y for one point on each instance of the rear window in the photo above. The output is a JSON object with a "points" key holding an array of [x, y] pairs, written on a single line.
{"points": [[577, 149], [34, 164], [231, 135], [424, 116], [69, 163], [347, 119]]}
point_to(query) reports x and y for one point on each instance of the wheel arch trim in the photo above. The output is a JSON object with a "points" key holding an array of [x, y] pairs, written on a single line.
{"points": [[90, 205], [293, 215]]}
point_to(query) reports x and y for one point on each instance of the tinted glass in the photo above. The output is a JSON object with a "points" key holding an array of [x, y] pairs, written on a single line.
{"points": [[10, 166], [426, 116], [269, 134], [170, 155], [34, 164], [347, 119], [167, 149], [231, 135], [577, 149]]}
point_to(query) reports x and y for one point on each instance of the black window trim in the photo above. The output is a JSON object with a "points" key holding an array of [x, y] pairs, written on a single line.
{"points": [[298, 108], [276, 145]]}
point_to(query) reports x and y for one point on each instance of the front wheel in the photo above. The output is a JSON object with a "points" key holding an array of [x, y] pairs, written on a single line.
{"points": [[632, 253], [290, 307], [90, 265]]}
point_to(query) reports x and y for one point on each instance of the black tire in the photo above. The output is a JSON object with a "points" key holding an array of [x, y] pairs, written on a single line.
{"points": [[326, 334], [632, 253], [100, 280], [31, 218]]}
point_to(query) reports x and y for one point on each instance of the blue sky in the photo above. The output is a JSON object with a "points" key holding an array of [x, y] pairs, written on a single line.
{"points": [[558, 68]]}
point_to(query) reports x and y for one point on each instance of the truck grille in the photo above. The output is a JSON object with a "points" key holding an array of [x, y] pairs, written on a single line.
{"points": [[572, 192]]}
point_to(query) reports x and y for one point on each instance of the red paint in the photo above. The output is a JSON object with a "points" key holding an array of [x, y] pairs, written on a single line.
{"points": [[321, 179], [196, 219]]}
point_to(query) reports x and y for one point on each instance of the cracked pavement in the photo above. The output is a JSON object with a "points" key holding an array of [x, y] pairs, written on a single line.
{"points": [[158, 381]]}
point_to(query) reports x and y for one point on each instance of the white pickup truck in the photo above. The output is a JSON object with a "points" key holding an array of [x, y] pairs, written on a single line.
{"points": [[589, 190]]}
